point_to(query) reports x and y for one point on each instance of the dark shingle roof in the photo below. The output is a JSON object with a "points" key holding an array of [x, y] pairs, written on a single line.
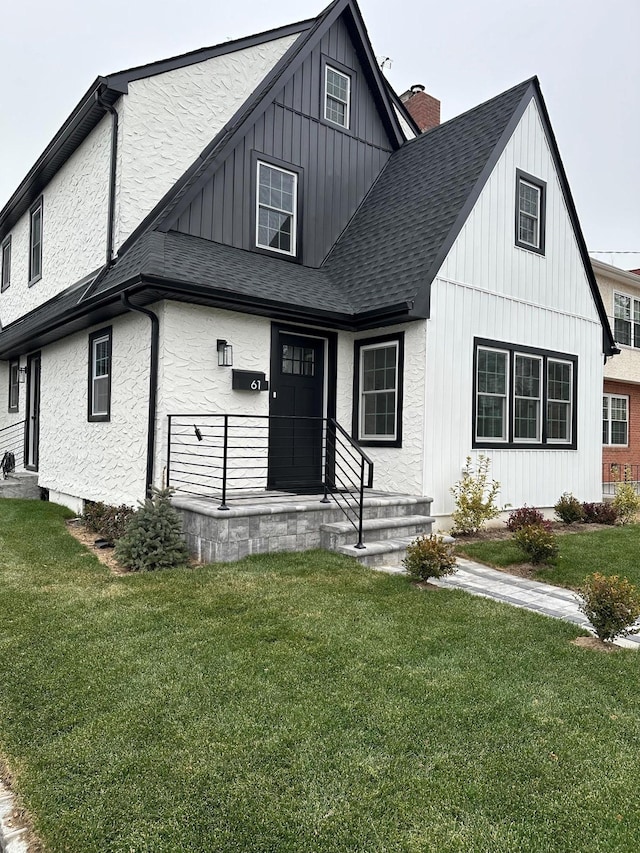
{"points": [[401, 233]]}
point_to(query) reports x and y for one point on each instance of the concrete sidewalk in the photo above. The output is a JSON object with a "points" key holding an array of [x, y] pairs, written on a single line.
{"points": [[531, 595]]}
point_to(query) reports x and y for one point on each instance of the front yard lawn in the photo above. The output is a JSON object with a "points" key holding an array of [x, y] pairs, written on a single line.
{"points": [[299, 702], [610, 551]]}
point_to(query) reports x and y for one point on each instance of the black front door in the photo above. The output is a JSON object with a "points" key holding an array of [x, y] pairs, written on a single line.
{"points": [[32, 426], [296, 411]]}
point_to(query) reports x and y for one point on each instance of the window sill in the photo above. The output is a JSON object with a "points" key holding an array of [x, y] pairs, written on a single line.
{"points": [[33, 281]]}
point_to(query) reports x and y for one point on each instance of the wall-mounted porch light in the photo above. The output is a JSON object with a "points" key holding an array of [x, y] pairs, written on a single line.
{"points": [[22, 374], [225, 353]]}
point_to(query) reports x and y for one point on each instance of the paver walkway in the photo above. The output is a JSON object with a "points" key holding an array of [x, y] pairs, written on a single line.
{"points": [[521, 592]]}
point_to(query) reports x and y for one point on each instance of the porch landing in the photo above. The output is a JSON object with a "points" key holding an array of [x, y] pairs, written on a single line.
{"points": [[278, 521]]}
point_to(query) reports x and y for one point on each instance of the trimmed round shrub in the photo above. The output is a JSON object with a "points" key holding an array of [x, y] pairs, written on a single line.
{"points": [[430, 557], [568, 509], [599, 513], [611, 604], [626, 503], [524, 517], [153, 538], [538, 542]]}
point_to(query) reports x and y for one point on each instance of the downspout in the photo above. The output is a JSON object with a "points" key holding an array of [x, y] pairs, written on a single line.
{"points": [[112, 174], [153, 386]]}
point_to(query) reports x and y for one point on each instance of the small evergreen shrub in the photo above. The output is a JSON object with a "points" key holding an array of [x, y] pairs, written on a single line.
{"points": [[524, 517], [110, 521], [474, 497], [538, 542], [429, 557], [626, 503], [602, 513], [153, 538], [611, 604], [568, 509]]}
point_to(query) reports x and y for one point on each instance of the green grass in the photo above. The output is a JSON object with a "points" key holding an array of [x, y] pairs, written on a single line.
{"points": [[611, 551], [300, 703]]}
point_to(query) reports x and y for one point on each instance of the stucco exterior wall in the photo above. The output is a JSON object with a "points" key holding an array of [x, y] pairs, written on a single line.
{"points": [[624, 367], [167, 120], [74, 228], [103, 461]]}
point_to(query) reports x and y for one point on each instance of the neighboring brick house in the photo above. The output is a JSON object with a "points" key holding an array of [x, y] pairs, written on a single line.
{"points": [[620, 291], [424, 296]]}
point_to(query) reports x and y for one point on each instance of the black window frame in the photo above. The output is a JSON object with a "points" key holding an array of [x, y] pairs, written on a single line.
{"points": [[14, 386], [509, 443], [38, 205], [541, 186], [93, 337], [353, 81], [256, 158], [5, 264], [359, 345]]}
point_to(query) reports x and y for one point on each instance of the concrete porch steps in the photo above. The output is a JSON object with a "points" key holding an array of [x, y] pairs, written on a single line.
{"points": [[386, 552], [285, 522], [20, 484]]}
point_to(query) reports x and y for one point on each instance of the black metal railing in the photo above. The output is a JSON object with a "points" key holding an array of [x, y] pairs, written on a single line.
{"points": [[239, 457], [618, 472], [11, 448]]}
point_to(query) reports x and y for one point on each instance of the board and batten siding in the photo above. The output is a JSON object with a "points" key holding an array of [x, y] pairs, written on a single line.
{"points": [[489, 288], [338, 167]]}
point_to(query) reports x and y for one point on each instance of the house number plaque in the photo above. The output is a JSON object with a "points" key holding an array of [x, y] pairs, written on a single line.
{"points": [[248, 380]]}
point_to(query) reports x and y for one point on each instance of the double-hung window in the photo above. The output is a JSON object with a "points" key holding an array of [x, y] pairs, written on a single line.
{"points": [[626, 320], [523, 397], [378, 397], [100, 375], [530, 212], [615, 420], [337, 96], [14, 387], [35, 241], [276, 209], [5, 269]]}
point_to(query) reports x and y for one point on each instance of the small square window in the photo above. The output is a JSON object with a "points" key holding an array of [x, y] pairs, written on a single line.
{"points": [[276, 209], [530, 212], [5, 271], [100, 375], [35, 242], [337, 97]]}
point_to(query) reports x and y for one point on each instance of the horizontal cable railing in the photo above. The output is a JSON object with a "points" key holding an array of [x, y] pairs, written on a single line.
{"points": [[11, 448], [619, 472], [238, 457]]}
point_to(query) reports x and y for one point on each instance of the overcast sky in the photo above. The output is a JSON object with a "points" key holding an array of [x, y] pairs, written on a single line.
{"points": [[584, 52]]}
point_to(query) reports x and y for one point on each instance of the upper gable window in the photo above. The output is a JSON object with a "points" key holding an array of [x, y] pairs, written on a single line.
{"points": [[337, 96], [530, 212], [276, 215], [35, 242], [6, 264], [626, 320]]}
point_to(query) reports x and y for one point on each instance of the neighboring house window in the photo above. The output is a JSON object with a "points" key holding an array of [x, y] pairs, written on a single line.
{"points": [[523, 397], [337, 96], [626, 320], [615, 420], [276, 209], [6, 264], [378, 391], [530, 212], [35, 242], [14, 387], [100, 375]]}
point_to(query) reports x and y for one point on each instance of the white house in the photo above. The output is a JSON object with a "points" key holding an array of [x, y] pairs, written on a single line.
{"points": [[390, 300]]}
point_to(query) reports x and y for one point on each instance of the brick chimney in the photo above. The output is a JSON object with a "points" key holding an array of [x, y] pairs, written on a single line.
{"points": [[424, 109]]}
